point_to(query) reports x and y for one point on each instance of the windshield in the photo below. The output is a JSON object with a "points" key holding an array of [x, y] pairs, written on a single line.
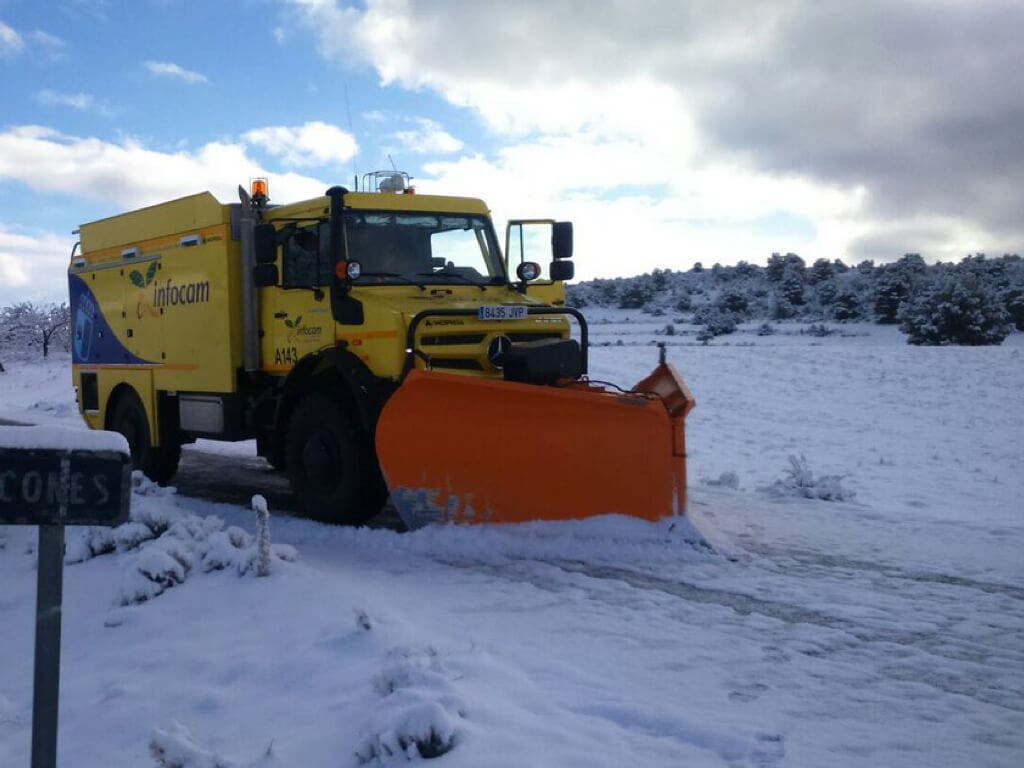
{"points": [[423, 248]]}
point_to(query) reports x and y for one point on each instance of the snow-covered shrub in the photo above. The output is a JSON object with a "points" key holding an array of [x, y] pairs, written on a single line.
{"points": [[419, 713], [175, 747], [783, 310], [151, 573], [791, 289], [1014, 301], [716, 321], [410, 726], [799, 480], [734, 301], [765, 329], [847, 306], [955, 310], [635, 297], [819, 330], [727, 479], [163, 544]]}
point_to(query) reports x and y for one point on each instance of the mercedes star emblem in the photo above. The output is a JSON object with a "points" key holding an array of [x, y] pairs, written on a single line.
{"points": [[497, 349]]}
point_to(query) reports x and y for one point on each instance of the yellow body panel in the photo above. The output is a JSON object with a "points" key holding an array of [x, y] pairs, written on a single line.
{"points": [[163, 221]]}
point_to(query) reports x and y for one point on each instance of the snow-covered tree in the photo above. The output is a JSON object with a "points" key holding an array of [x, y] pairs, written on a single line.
{"points": [[956, 309], [25, 325]]}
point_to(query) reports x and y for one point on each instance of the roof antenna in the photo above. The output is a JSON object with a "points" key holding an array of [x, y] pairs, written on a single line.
{"points": [[352, 133], [393, 166]]}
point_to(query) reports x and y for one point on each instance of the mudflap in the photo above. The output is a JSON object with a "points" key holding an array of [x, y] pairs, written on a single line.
{"points": [[461, 449]]}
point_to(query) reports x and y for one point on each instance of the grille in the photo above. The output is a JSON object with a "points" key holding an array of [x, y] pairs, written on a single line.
{"points": [[533, 336], [455, 338]]}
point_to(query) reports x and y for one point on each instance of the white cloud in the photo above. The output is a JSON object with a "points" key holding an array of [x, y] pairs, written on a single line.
{"points": [[735, 113], [170, 69], [632, 218], [33, 266], [80, 101], [130, 175], [51, 46], [305, 146], [427, 138], [123, 175], [39, 43], [11, 43]]}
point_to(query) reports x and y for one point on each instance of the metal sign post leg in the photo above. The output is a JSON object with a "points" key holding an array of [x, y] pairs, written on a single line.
{"points": [[49, 592]]}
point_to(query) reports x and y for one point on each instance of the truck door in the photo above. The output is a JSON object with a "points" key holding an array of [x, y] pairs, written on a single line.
{"points": [[295, 315], [530, 240]]}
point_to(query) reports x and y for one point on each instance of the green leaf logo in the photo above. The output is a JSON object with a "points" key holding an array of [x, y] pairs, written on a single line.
{"points": [[289, 323], [137, 279], [297, 321], [151, 273]]}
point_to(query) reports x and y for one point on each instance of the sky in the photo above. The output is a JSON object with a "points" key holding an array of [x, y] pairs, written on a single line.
{"points": [[669, 132]]}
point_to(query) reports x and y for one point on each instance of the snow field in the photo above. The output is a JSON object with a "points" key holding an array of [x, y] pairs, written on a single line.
{"points": [[886, 630]]}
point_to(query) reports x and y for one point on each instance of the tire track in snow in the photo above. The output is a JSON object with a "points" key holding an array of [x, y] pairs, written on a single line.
{"points": [[839, 562], [968, 668], [934, 642]]}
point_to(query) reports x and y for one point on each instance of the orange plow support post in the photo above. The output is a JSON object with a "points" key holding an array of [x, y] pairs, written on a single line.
{"points": [[470, 450]]}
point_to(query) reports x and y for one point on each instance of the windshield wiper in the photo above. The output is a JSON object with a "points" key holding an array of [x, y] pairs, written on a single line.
{"points": [[468, 281], [403, 278]]}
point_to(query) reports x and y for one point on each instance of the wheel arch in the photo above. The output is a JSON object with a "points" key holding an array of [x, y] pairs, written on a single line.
{"points": [[160, 409], [342, 375]]}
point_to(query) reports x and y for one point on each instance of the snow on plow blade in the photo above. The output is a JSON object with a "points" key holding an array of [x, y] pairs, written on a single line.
{"points": [[469, 450]]}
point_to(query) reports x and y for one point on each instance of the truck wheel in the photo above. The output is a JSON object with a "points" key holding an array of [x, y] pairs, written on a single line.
{"points": [[330, 464], [159, 463]]}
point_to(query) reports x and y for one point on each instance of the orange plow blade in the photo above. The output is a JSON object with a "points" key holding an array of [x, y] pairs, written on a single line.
{"points": [[469, 450]]}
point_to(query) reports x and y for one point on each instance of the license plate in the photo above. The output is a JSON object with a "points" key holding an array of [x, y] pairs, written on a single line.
{"points": [[502, 312]]}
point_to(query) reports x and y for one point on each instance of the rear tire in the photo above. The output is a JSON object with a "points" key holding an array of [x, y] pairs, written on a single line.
{"points": [[330, 464], [158, 462]]}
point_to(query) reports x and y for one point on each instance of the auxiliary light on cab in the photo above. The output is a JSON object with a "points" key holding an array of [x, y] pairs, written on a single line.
{"points": [[259, 188], [348, 269]]}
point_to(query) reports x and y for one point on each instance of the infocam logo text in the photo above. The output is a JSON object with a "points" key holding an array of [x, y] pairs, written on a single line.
{"points": [[166, 294], [171, 294]]}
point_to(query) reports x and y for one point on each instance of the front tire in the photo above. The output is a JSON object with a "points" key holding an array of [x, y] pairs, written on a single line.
{"points": [[330, 464], [158, 462]]}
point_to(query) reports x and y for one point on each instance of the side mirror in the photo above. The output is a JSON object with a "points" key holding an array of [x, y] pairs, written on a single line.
{"points": [[264, 275], [562, 270], [265, 244], [561, 241]]}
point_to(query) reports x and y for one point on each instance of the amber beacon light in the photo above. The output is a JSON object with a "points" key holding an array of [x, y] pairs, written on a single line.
{"points": [[259, 188]]}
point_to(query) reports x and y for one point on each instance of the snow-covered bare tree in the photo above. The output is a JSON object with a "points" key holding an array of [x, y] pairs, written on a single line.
{"points": [[25, 325]]}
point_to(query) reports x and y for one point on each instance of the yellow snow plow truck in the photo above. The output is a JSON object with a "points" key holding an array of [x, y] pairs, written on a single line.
{"points": [[372, 342]]}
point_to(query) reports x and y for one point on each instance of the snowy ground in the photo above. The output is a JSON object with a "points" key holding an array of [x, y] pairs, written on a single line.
{"points": [[887, 629]]}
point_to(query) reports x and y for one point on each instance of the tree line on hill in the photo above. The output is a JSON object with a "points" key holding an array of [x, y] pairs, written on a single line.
{"points": [[977, 301]]}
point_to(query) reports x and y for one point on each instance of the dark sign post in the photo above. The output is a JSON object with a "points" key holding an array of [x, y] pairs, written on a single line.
{"points": [[51, 488]]}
